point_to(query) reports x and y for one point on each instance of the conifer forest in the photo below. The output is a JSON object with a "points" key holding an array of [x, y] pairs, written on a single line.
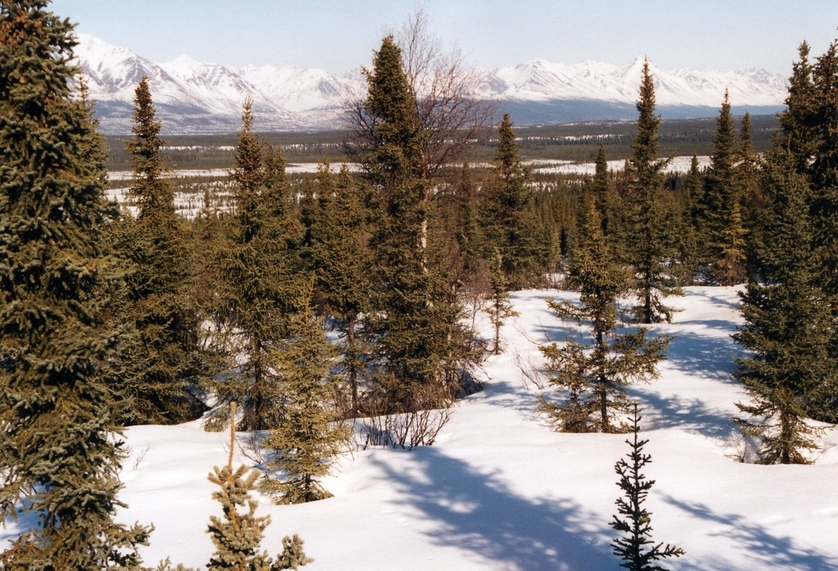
{"points": [[424, 350]]}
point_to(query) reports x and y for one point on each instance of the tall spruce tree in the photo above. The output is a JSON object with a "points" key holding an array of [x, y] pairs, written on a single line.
{"points": [[256, 278], [789, 327], [60, 449], [636, 548], [341, 261], [649, 246], [808, 144], [415, 314], [162, 367], [305, 444], [723, 223], [508, 223], [595, 377]]}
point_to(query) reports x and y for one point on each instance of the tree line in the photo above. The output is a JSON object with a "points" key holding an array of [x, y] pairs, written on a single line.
{"points": [[111, 320]]}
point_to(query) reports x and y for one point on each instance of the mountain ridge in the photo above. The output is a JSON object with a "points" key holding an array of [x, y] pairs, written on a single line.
{"points": [[196, 96]]}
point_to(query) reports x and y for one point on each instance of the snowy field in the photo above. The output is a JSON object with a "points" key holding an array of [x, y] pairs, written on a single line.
{"points": [[675, 165], [501, 491]]}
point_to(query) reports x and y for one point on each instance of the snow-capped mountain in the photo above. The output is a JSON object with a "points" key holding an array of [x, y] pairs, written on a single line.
{"points": [[195, 96]]}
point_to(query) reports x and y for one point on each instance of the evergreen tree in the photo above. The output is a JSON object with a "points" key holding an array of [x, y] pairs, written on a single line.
{"points": [[649, 247], [163, 366], [689, 236], [341, 260], [633, 548], [498, 297], [256, 278], [507, 219], [608, 204], [595, 377], [722, 215], [308, 440], [238, 536], [789, 327], [60, 449], [796, 257], [415, 314], [747, 171]]}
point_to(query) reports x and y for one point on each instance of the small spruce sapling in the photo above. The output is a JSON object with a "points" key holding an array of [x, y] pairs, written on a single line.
{"points": [[309, 439], [636, 525], [498, 297], [238, 535]]}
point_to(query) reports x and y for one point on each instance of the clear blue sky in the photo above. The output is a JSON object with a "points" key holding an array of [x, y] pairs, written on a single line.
{"points": [[339, 35]]}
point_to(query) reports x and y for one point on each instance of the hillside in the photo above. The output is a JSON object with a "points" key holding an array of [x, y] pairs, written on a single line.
{"points": [[501, 491]]}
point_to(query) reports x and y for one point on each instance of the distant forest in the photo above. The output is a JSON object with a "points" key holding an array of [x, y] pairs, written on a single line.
{"points": [[578, 142]]}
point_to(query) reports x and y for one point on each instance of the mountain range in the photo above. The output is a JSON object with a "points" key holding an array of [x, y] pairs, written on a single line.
{"points": [[193, 96]]}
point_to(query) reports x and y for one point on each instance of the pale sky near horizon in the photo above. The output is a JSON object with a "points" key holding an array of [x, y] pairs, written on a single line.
{"points": [[340, 35]]}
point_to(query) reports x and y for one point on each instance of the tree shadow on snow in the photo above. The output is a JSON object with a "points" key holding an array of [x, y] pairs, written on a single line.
{"points": [[692, 415], [705, 356], [762, 547], [479, 513]]}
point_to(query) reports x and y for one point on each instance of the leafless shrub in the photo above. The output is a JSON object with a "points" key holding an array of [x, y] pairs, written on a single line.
{"points": [[407, 430]]}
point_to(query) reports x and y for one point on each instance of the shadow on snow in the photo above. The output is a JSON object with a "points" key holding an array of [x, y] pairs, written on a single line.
{"points": [[762, 547], [478, 512]]}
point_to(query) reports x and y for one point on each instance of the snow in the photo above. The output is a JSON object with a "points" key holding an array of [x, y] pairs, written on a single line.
{"points": [[680, 164], [500, 490], [291, 95]]}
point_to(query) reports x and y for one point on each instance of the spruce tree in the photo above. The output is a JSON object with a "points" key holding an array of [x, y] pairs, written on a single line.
{"points": [[789, 325], [608, 204], [723, 223], [256, 277], [500, 307], [163, 366], [636, 548], [60, 448], [238, 535], [595, 377], [414, 319], [307, 441], [507, 218], [689, 237], [648, 244], [341, 260]]}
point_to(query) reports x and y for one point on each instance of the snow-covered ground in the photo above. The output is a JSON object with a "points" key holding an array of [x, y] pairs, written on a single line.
{"points": [[501, 491], [676, 165]]}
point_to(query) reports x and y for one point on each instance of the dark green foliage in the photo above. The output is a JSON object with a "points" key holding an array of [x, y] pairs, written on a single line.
{"points": [[340, 259], [255, 281], [791, 311], [414, 317], [789, 325], [636, 548], [498, 297], [722, 221], [60, 449], [304, 445], [395, 150], [508, 222], [238, 535], [689, 235], [161, 367], [595, 377], [609, 205], [649, 244]]}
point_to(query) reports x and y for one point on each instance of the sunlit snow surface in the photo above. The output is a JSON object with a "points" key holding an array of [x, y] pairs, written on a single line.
{"points": [[502, 491]]}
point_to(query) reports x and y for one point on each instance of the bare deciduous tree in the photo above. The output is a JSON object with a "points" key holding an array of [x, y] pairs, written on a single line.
{"points": [[448, 110]]}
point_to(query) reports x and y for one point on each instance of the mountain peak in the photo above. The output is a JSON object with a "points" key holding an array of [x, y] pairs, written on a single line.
{"points": [[287, 96]]}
